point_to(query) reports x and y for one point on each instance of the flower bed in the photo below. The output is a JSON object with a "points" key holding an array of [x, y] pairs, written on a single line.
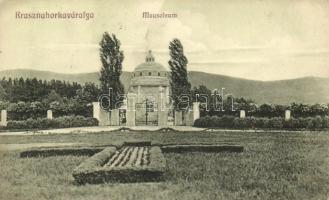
{"points": [[128, 164]]}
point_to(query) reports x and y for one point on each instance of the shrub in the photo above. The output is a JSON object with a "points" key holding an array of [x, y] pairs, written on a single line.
{"points": [[214, 121], [227, 121], [261, 122], [306, 123], [275, 123], [240, 123], [325, 122], [295, 123], [251, 122], [200, 122], [17, 125], [197, 122], [317, 122]]}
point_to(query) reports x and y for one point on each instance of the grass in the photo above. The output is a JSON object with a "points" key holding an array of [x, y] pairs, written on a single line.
{"points": [[273, 166]]}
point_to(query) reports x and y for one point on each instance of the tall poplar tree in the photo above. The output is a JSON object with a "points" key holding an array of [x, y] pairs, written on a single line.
{"points": [[111, 57], [179, 80]]}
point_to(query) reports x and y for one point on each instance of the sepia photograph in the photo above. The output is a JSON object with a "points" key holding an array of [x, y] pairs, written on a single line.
{"points": [[164, 99]]}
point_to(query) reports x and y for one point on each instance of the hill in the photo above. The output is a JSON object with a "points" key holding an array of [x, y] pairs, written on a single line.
{"points": [[302, 90]]}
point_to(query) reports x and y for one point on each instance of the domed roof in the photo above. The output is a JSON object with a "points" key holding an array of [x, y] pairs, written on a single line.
{"points": [[150, 65]]}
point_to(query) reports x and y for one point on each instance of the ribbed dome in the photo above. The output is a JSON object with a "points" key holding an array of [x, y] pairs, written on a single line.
{"points": [[150, 65], [150, 73]]}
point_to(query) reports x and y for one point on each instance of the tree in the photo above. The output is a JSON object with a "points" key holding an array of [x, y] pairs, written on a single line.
{"points": [[111, 58], [266, 110], [3, 94], [53, 96], [203, 94], [179, 81], [89, 93]]}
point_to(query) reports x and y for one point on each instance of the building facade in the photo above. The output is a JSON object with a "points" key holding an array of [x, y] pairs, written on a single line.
{"points": [[150, 85], [148, 101]]}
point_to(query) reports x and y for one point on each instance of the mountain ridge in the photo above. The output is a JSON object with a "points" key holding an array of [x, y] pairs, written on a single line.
{"points": [[301, 90]]}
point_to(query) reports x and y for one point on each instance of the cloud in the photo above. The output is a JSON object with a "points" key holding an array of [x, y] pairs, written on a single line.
{"points": [[260, 40]]}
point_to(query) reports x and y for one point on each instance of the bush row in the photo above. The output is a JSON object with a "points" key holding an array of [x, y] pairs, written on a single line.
{"points": [[61, 151], [157, 159], [60, 122], [201, 148], [97, 160], [311, 123], [36, 109]]}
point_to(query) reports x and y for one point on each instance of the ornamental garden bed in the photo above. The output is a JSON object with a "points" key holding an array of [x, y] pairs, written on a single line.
{"points": [[127, 164]]}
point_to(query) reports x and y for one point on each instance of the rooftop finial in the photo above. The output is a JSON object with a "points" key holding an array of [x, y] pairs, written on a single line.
{"points": [[149, 57]]}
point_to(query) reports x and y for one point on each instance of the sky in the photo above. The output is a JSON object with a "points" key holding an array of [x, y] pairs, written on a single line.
{"points": [[252, 39]]}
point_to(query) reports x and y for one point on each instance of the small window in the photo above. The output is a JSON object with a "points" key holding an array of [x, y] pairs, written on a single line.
{"points": [[141, 74], [158, 73], [150, 73]]}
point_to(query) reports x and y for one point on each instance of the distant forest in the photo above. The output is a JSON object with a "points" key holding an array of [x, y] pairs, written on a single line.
{"points": [[33, 89]]}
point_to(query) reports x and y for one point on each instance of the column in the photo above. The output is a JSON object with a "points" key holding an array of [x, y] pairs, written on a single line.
{"points": [[139, 93], [49, 114], [189, 121], [167, 94], [242, 114], [196, 111], [162, 111], [114, 117], [130, 113], [96, 110], [178, 118], [3, 121], [287, 115], [101, 115]]}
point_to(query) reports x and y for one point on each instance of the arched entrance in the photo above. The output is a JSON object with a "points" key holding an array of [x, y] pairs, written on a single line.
{"points": [[146, 113]]}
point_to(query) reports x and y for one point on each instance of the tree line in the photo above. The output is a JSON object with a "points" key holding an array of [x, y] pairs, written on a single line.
{"points": [[33, 89]]}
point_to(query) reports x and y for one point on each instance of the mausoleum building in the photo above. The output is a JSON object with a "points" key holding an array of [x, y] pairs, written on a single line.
{"points": [[150, 84]]}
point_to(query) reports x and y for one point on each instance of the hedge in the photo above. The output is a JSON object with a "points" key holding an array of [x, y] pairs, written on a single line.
{"points": [[157, 160], [62, 151], [60, 122], [310, 123], [97, 160], [201, 148], [137, 143], [25, 110]]}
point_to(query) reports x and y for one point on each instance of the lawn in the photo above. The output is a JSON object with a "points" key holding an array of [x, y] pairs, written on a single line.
{"points": [[273, 166]]}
